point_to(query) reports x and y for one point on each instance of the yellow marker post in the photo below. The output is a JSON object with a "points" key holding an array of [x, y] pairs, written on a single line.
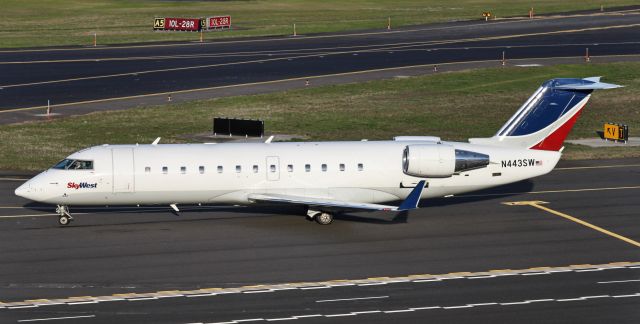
{"points": [[538, 204]]}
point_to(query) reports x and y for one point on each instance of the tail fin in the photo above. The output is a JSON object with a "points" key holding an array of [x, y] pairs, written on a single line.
{"points": [[546, 118]]}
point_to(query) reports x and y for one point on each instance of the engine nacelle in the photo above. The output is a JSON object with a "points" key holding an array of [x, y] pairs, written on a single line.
{"points": [[440, 160]]}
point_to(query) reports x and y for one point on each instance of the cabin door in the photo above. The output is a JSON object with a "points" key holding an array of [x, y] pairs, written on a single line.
{"points": [[273, 168], [122, 170]]}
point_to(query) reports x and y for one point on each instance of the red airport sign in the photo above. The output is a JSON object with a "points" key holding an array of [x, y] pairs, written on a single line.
{"points": [[219, 22], [180, 24]]}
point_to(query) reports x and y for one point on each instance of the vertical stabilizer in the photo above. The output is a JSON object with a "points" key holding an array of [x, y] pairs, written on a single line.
{"points": [[546, 118]]}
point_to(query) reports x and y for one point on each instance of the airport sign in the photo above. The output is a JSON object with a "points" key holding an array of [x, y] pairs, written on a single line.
{"points": [[616, 132], [218, 22], [179, 24]]}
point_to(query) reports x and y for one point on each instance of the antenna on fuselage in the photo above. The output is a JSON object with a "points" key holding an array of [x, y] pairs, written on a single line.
{"points": [[156, 141]]}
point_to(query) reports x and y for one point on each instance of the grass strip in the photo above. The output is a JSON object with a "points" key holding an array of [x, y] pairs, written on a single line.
{"points": [[34, 23]]}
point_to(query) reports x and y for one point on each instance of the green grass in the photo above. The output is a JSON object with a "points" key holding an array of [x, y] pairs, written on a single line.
{"points": [[29, 23], [454, 106]]}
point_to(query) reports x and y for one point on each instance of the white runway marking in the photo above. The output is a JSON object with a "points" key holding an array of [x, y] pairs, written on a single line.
{"points": [[346, 299], [113, 209], [626, 296], [250, 320], [535, 273], [617, 281], [55, 318], [84, 302], [598, 296], [340, 315], [308, 316], [399, 311], [31, 215], [453, 307], [599, 167]]}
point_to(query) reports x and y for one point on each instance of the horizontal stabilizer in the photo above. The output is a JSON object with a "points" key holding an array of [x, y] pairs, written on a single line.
{"points": [[588, 86]]}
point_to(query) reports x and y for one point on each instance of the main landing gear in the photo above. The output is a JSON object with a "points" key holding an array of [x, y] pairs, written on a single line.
{"points": [[64, 218], [322, 218]]}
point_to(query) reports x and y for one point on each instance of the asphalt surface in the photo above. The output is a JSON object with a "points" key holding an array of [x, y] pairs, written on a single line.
{"points": [[196, 267], [30, 78]]}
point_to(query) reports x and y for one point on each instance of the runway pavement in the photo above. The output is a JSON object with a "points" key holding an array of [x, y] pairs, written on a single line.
{"points": [[82, 76], [472, 258]]}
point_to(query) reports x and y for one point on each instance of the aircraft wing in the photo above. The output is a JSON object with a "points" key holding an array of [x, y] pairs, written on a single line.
{"points": [[411, 202]]}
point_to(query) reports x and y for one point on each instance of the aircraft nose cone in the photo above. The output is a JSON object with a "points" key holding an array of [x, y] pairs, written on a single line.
{"points": [[23, 190]]}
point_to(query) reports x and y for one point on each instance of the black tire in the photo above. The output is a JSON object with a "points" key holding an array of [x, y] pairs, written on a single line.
{"points": [[324, 218], [64, 220]]}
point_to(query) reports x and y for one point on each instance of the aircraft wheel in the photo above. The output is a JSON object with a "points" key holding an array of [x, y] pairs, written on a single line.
{"points": [[324, 218], [64, 220]]}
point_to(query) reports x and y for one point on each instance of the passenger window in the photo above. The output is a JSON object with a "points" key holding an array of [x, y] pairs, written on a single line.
{"points": [[324, 167], [341, 166], [183, 169], [219, 168], [360, 167], [272, 168], [201, 169], [307, 168], [255, 169], [165, 170], [147, 169], [290, 167], [238, 169]]}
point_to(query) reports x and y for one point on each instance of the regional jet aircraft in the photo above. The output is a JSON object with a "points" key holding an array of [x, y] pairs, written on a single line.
{"points": [[326, 177]]}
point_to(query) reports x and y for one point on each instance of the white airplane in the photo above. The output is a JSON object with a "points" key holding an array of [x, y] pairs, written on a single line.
{"points": [[326, 177]]}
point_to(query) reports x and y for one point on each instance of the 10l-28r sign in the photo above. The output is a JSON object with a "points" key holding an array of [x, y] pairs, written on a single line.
{"points": [[219, 22]]}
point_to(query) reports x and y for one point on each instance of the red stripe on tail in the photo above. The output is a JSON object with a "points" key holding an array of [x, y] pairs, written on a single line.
{"points": [[554, 141]]}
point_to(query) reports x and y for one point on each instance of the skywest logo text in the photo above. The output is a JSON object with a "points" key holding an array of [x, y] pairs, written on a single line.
{"points": [[82, 185]]}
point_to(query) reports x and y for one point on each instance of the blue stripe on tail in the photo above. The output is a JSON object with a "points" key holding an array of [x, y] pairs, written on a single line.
{"points": [[549, 104]]}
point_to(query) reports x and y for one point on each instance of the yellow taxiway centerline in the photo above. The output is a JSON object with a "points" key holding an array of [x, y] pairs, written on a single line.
{"points": [[538, 204]]}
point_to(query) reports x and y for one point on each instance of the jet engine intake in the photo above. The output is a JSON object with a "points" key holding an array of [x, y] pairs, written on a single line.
{"points": [[440, 160]]}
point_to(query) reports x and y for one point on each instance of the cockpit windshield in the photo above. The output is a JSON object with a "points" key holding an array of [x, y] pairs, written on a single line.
{"points": [[68, 164]]}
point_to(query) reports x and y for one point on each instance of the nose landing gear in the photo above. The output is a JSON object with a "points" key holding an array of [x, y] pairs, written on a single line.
{"points": [[64, 217]]}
